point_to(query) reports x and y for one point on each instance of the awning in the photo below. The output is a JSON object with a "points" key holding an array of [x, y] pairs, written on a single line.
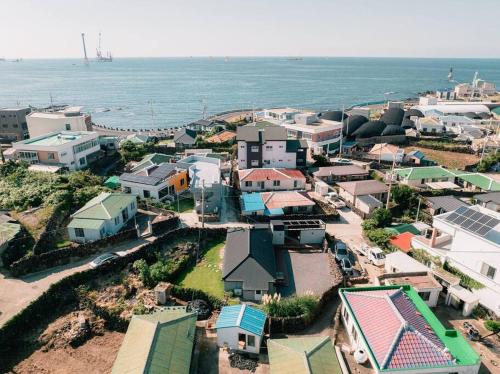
{"points": [[274, 212], [442, 185], [463, 294]]}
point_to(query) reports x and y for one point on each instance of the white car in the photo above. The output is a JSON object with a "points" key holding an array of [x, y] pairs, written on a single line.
{"points": [[335, 201], [373, 254], [341, 161]]}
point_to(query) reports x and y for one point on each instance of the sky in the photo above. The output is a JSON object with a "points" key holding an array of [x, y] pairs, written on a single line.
{"points": [[164, 28]]}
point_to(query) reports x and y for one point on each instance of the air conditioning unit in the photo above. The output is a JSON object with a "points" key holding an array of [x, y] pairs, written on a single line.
{"points": [[238, 292]]}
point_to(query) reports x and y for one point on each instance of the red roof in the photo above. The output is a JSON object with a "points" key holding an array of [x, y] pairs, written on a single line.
{"points": [[397, 334], [403, 241], [256, 175]]}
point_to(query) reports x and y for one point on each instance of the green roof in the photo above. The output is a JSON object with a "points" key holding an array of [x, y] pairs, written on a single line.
{"points": [[404, 227], [425, 172], [82, 223], [308, 355], [112, 182], [161, 342], [482, 181], [105, 206], [451, 338]]}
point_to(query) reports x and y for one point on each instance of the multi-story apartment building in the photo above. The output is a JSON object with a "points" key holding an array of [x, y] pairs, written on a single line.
{"points": [[468, 239], [269, 147], [68, 149], [13, 125], [68, 119]]}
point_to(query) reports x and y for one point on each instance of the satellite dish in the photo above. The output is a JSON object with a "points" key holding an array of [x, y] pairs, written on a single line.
{"points": [[360, 356]]}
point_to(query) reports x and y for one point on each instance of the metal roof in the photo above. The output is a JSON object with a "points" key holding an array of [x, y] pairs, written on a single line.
{"points": [[161, 342], [446, 203], [243, 316], [81, 223], [303, 355], [105, 206]]}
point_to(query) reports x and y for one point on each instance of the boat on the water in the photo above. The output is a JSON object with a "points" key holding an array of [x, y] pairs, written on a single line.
{"points": [[100, 56]]}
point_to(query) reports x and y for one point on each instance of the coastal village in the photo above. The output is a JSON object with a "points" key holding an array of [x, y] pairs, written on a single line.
{"points": [[271, 240]]}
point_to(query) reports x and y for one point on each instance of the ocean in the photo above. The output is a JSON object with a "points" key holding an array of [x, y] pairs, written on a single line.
{"points": [[168, 92]]}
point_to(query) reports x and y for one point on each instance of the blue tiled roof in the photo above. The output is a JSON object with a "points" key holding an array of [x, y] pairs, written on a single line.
{"points": [[242, 316], [252, 202], [274, 212]]}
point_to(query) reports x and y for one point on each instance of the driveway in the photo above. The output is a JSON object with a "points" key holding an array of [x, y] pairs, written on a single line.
{"points": [[17, 293], [348, 228]]}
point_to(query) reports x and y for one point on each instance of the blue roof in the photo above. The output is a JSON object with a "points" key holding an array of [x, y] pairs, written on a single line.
{"points": [[349, 144], [242, 316], [417, 154], [252, 202], [274, 212]]}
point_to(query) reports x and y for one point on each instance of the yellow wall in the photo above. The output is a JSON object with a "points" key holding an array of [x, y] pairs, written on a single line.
{"points": [[176, 181]]}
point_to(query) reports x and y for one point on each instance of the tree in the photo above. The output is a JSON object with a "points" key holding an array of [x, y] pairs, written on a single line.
{"points": [[403, 196], [320, 161], [379, 237], [382, 217], [134, 152]]}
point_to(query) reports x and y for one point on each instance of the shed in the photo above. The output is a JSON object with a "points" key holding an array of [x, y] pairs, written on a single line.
{"points": [[241, 327], [462, 299], [399, 262], [305, 355]]}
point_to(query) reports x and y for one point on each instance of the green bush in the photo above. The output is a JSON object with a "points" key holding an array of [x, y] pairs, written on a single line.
{"points": [[379, 237], [465, 280], [492, 325], [306, 305], [142, 268], [487, 162], [404, 196], [422, 256], [135, 152], [382, 217]]}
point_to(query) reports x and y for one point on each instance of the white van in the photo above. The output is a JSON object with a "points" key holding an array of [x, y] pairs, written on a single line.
{"points": [[374, 254]]}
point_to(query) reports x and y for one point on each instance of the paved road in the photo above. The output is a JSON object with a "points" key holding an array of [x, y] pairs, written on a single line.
{"points": [[17, 293]]}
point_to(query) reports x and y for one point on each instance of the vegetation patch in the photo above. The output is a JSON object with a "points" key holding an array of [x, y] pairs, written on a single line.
{"points": [[465, 280], [451, 160], [294, 306]]}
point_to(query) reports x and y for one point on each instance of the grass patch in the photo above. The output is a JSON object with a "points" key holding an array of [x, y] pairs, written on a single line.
{"points": [[206, 275], [452, 160], [185, 205]]}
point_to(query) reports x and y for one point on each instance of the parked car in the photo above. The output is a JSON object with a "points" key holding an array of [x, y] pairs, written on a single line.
{"points": [[346, 266], [103, 259], [374, 254], [341, 161], [341, 251], [334, 200]]}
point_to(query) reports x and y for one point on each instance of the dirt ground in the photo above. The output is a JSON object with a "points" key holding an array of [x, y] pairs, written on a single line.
{"points": [[95, 356], [452, 160]]}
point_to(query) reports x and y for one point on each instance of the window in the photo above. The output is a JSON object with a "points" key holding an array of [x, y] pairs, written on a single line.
{"points": [[63, 154], [14, 125], [267, 162], [182, 182], [280, 160], [248, 183], [425, 295], [117, 220], [132, 205], [51, 156], [255, 162], [82, 161], [276, 183], [125, 214], [488, 270], [354, 334], [254, 149], [146, 194], [251, 340], [85, 145], [68, 126], [295, 184], [79, 232], [269, 147]]}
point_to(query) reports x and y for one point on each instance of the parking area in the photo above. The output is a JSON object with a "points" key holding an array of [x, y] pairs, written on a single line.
{"points": [[305, 272]]}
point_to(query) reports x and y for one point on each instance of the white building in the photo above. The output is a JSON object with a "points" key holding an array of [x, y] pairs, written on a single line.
{"points": [[455, 123], [71, 149], [387, 152], [255, 180], [277, 115], [429, 124], [468, 239], [68, 119], [102, 216]]}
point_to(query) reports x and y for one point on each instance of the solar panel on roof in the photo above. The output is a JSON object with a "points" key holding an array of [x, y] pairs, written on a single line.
{"points": [[459, 220], [451, 217], [475, 216], [467, 223], [483, 230], [484, 219], [475, 226], [462, 210]]}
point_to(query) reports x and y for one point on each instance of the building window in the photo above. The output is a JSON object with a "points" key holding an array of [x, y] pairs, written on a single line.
{"points": [[267, 162], [354, 334], [182, 182], [68, 126], [248, 183], [51, 156], [254, 149], [82, 161], [117, 220], [125, 214], [276, 183], [295, 184], [132, 205], [488, 270], [425, 295], [269, 147], [251, 340], [255, 162], [79, 232], [146, 194]]}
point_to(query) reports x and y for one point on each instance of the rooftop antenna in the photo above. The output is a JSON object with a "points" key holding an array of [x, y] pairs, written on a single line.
{"points": [[204, 108], [51, 101], [85, 59]]}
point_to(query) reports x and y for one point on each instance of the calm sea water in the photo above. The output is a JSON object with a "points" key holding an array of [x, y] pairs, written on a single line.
{"points": [[179, 87]]}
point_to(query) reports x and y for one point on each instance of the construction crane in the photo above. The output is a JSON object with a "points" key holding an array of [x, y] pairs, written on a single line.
{"points": [[85, 59]]}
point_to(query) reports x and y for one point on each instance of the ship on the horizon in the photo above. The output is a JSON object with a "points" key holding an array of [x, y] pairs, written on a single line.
{"points": [[450, 75], [100, 56]]}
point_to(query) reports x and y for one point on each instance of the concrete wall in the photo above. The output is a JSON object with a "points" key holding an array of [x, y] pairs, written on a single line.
{"points": [[312, 236], [274, 155], [40, 126], [229, 337]]}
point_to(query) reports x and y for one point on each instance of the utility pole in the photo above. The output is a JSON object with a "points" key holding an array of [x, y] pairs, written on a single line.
{"points": [[202, 219], [178, 204], [418, 208], [390, 180], [340, 150], [85, 59]]}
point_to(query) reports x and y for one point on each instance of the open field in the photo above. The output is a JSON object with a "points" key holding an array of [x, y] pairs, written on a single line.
{"points": [[206, 275], [452, 160]]}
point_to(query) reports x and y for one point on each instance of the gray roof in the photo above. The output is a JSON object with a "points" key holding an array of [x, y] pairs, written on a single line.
{"points": [[359, 188], [249, 257], [447, 203], [154, 175], [255, 134], [340, 170], [370, 201], [202, 122], [493, 197], [180, 134]]}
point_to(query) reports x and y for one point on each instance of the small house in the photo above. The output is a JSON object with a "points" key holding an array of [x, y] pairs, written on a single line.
{"points": [[341, 173], [184, 138], [310, 231], [444, 204], [102, 216], [241, 327], [365, 195]]}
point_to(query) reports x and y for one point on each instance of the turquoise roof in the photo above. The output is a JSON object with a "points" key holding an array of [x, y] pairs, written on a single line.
{"points": [[242, 316], [252, 202], [274, 212]]}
